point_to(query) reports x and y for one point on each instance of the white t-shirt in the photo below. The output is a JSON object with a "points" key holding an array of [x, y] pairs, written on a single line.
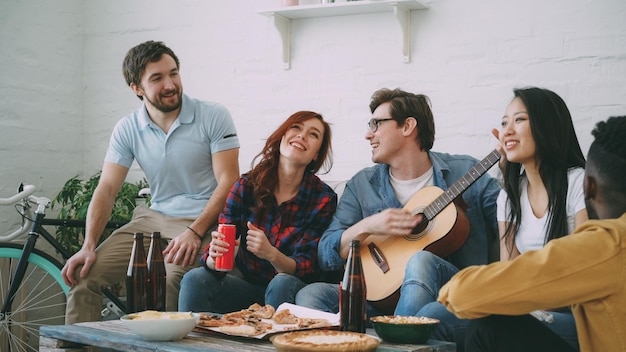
{"points": [[405, 189], [532, 231]]}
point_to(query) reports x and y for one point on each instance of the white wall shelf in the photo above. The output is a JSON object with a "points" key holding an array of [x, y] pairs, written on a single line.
{"points": [[282, 17]]}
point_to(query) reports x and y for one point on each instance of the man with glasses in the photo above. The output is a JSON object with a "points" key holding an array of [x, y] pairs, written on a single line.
{"points": [[401, 134]]}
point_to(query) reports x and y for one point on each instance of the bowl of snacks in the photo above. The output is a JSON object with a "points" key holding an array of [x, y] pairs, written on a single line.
{"points": [[404, 329], [160, 326]]}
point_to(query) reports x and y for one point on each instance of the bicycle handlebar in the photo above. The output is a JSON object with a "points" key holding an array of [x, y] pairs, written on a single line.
{"points": [[25, 193], [42, 202]]}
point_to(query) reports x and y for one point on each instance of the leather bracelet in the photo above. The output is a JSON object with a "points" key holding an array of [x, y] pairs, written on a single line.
{"points": [[197, 234]]}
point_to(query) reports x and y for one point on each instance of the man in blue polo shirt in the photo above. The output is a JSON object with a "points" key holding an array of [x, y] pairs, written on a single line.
{"points": [[188, 150]]}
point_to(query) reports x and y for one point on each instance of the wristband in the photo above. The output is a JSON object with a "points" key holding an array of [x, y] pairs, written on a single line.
{"points": [[197, 234]]}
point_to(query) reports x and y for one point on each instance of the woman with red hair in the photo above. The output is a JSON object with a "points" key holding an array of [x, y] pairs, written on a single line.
{"points": [[280, 209]]}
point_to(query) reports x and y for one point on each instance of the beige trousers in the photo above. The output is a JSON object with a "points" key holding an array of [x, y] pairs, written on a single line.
{"points": [[84, 301]]}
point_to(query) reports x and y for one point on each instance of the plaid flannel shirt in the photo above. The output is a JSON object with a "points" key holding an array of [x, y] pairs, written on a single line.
{"points": [[294, 227]]}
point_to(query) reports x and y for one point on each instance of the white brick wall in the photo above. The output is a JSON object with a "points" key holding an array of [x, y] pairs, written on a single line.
{"points": [[62, 88]]}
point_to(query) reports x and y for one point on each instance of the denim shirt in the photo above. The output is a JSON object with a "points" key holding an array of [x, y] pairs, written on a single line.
{"points": [[370, 192]]}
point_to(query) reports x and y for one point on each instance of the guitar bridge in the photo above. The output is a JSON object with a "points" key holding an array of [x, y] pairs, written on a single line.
{"points": [[378, 256]]}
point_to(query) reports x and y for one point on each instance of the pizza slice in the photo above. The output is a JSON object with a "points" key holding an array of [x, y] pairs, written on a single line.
{"points": [[250, 327], [214, 321], [240, 330], [264, 312], [284, 316], [312, 323]]}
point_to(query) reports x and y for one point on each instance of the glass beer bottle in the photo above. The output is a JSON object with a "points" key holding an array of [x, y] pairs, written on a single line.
{"points": [[137, 278], [156, 270], [352, 294]]}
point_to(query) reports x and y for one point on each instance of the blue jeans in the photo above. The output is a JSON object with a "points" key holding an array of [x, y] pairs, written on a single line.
{"points": [[325, 297], [513, 333], [283, 288], [564, 325], [424, 275], [202, 290], [420, 289], [319, 295]]}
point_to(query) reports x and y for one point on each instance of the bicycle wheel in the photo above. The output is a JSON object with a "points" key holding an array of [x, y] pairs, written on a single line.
{"points": [[40, 299]]}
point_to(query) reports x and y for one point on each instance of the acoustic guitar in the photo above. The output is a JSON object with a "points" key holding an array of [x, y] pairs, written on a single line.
{"points": [[443, 230]]}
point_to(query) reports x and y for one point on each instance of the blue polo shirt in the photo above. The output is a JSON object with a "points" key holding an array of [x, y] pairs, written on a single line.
{"points": [[177, 165]]}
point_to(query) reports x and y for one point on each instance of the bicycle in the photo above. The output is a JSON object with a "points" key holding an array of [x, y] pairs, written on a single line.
{"points": [[32, 291]]}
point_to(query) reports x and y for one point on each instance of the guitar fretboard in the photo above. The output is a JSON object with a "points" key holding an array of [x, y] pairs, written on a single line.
{"points": [[461, 185]]}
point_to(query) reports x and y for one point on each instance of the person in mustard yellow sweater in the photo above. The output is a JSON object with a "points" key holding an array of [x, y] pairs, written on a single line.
{"points": [[585, 270]]}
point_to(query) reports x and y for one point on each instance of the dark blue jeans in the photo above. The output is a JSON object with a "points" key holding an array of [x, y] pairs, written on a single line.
{"points": [[424, 275], [513, 334], [203, 290]]}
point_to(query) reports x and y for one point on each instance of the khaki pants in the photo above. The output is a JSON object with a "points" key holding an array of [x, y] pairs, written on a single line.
{"points": [[84, 301]]}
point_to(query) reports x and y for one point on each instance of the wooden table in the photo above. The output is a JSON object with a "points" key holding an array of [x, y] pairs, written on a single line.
{"points": [[113, 335]]}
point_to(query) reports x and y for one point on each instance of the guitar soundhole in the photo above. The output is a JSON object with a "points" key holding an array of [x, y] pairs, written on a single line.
{"points": [[421, 227], [420, 230]]}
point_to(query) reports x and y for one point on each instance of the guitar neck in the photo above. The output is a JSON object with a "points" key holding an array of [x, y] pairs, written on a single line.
{"points": [[461, 185]]}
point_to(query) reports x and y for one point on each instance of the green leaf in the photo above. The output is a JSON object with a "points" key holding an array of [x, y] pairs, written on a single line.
{"points": [[73, 200]]}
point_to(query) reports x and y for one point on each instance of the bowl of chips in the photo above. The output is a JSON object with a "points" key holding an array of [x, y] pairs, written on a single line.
{"points": [[404, 329], [160, 326]]}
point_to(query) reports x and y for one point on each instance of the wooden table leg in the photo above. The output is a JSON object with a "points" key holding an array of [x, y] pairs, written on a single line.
{"points": [[47, 344]]}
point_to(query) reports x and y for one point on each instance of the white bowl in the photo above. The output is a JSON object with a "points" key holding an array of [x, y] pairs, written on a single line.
{"points": [[161, 326]]}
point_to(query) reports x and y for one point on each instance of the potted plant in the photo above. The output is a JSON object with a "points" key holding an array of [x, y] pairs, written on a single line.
{"points": [[73, 201]]}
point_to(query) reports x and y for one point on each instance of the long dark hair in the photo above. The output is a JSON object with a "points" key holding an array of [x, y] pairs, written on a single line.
{"points": [[557, 151], [264, 175]]}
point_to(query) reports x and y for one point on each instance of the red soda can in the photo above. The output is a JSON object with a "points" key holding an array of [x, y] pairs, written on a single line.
{"points": [[227, 261]]}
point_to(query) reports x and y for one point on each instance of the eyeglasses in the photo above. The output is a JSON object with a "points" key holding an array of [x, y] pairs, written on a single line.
{"points": [[374, 123]]}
